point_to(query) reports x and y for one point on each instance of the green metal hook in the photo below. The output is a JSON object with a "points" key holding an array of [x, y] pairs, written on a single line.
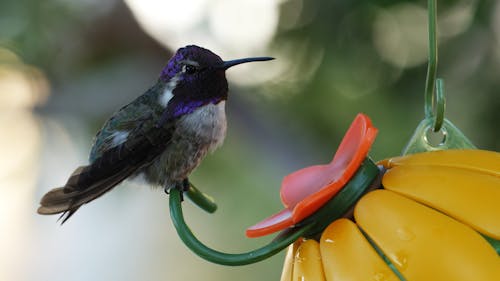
{"points": [[439, 103], [449, 136], [434, 92]]}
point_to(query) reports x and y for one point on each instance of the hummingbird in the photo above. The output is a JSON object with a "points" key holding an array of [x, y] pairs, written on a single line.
{"points": [[163, 134]]}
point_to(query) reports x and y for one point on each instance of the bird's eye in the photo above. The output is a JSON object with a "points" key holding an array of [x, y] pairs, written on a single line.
{"points": [[189, 69]]}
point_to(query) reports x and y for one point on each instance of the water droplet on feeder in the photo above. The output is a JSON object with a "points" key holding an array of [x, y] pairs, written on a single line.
{"points": [[405, 234], [379, 276], [400, 260]]}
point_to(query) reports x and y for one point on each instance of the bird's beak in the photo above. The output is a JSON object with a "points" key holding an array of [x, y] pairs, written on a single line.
{"points": [[227, 64]]}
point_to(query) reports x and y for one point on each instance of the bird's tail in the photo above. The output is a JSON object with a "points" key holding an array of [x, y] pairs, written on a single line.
{"points": [[112, 167], [80, 189]]}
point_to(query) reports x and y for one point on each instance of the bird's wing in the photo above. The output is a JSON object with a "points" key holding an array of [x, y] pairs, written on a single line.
{"points": [[112, 167], [113, 157], [124, 122]]}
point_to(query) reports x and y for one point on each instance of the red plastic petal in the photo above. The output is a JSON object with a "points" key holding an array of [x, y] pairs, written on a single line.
{"points": [[306, 190], [306, 182], [314, 201], [272, 224]]}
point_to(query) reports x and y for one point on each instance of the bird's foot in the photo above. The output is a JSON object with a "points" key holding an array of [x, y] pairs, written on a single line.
{"points": [[181, 186], [185, 185]]}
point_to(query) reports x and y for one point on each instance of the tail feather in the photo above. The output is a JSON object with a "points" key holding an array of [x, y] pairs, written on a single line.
{"points": [[55, 201], [73, 195]]}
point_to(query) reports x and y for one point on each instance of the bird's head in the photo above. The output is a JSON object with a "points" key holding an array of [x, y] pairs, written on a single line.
{"points": [[196, 76]]}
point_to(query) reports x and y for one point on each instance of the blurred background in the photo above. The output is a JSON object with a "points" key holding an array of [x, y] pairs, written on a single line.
{"points": [[67, 65]]}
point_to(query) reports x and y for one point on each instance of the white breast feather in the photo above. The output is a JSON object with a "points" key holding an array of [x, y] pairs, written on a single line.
{"points": [[208, 123]]}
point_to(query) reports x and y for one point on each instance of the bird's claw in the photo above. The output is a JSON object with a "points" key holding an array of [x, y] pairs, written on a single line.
{"points": [[182, 186]]}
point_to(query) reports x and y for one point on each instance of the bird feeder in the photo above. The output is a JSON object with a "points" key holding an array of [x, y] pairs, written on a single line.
{"points": [[430, 214]]}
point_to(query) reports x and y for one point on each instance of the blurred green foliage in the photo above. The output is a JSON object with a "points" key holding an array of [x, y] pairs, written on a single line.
{"points": [[354, 77]]}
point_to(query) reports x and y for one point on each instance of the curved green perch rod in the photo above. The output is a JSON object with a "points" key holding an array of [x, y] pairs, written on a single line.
{"points": [[333, 209], [275, 246], [201, 199]]}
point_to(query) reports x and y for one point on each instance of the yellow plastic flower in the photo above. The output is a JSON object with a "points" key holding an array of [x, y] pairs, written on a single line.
{"points": [[429, 222]]}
